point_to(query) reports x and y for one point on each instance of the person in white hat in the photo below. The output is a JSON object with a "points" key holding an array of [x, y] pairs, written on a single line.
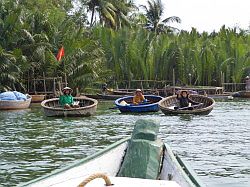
{"points": [[66, 100], [139, 97]]}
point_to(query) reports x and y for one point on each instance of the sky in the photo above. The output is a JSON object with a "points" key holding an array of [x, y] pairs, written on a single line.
{"points": [[207, 15]]}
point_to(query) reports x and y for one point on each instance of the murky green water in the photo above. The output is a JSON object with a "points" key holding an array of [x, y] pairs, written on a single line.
{"points": [[217, 146]]}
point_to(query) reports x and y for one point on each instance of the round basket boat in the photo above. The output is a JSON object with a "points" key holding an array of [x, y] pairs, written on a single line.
{"points": [[37, 98], [150, 106], [88, 106], [14, 104], [168, 104]]}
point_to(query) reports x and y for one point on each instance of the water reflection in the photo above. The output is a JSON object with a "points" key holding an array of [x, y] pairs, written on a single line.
{"points": [[5, 114], [216, 146], [186, 117]]}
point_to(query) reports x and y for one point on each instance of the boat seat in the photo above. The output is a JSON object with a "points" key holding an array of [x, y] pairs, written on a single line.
{"points": [[144, 153]]}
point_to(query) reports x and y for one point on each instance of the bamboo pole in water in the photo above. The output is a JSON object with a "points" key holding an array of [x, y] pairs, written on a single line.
{"points": [[174, 81]]}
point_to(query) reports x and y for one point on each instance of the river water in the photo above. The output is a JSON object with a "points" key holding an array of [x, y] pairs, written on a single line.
{"points": [[216, 146]]}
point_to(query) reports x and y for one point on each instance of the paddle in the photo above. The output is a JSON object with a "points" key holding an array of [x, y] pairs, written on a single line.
{"points": [[143, 103], [189, 107]]}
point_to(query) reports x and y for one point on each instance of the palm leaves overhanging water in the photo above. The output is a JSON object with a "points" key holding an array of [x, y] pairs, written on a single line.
{"points": [[117, 43]]}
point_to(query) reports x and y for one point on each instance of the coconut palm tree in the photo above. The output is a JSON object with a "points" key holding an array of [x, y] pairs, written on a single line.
{"points": [[104, 8], [154, 13], [112, 13]]}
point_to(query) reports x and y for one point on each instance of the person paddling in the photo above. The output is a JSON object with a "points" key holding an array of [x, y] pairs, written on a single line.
{"points": [[66, 100], [184, 100]]}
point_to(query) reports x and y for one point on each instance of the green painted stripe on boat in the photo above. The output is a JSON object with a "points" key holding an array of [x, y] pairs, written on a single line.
{"points": [[187, 173], [80, 162], [190, 172]]}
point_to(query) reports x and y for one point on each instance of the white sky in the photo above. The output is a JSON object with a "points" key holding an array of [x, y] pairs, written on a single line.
{"points": [[207, 15]]}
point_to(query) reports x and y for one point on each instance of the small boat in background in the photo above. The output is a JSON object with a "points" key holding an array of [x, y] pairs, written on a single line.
{"points": [[140, 160], [88, 106], [124, 92], [150, 106], [168, 104], [243, 94], [103, 96], [110, 97], [37, 98], [14, 100], [14, 104], [119, 92]]}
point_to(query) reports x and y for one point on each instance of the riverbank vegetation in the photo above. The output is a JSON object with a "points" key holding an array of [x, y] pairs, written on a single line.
{"points": [[112, 41]]}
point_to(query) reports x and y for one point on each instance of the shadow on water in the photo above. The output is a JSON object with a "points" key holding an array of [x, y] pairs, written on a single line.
{"points": [[187, 117]]}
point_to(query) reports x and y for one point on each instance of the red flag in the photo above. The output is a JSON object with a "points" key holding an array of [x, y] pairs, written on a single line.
{"points": [[60, 54]]}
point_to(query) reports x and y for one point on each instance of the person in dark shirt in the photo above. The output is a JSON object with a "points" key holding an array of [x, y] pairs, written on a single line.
{"points": [[104, 88], [184, 100]]}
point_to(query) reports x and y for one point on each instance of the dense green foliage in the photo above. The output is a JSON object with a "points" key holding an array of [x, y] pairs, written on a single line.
{"points": [[117, 43], [138, 54]]}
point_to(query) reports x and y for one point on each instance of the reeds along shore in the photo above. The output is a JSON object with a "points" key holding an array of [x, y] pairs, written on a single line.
{"points": [[112, 49]]}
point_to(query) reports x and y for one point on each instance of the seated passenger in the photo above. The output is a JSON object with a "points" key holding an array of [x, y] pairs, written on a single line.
{"points": [[184, 99], [138, 97], [66, 100], [104, 88]]}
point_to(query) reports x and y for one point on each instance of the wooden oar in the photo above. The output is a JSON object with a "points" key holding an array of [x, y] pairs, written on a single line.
{"points": [[145, 103], [189, 107]]}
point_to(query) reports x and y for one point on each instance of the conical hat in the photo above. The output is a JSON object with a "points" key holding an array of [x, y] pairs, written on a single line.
{"points": [[67, 88]]}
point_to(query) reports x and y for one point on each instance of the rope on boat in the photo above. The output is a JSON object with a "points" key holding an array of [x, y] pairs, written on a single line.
{"points": [[94, 176]]}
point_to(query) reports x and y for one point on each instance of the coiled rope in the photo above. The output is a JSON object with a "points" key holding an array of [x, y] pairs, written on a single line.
{"points": [[94, 176]]}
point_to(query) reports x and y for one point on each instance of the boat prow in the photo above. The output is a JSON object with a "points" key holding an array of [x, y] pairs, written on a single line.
{"points": [[154, 165]]}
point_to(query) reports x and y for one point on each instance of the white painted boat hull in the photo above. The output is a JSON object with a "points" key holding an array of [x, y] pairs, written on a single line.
{"points": [[109, 161]]}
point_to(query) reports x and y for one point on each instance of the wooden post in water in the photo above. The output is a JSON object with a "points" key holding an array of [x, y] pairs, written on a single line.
{"points": [[28, 86], [77, 92], [60, 86], [116, 85], [174, 81], [247, 80], [44, 83], [34, 83], [141, 85], [54, 87], [65, 79]]}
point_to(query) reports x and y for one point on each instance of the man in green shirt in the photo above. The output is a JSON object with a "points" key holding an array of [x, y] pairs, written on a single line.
{"points": [[66, 100]]}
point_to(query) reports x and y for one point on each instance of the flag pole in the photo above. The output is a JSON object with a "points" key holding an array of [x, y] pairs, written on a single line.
{"points": [[65, 75], [59, 57]]}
